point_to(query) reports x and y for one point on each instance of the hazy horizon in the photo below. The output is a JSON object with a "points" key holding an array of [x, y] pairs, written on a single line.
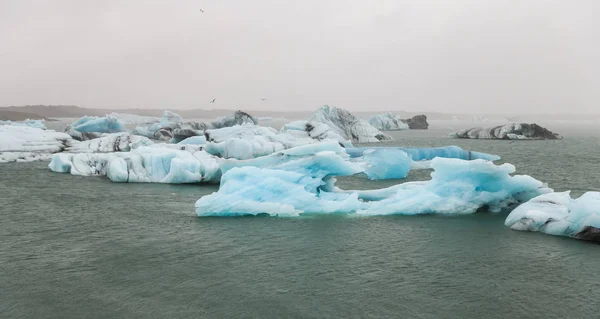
{"points": [[414, 56]]}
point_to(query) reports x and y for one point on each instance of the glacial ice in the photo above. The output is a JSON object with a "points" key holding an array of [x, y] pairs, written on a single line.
{"points": [[428, 153], [30, 123], [194, 140], [306, 186], [386, 163], [238, 118], [162, 130], [250, 141], [387, 122], [94, 124], [314, 130], [348, 125], [107, 143], [146, 164], [559, 214], [25, 143], [514, 131]]}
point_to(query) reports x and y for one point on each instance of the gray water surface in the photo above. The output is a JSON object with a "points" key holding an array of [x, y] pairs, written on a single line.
{"points": [[81, 247]]}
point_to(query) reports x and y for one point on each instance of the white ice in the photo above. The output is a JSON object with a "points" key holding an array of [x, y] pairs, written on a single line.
{"points": [[387, 122], [348, 125], [559, 214], [30, 123], [146, 164], [24, 143]]}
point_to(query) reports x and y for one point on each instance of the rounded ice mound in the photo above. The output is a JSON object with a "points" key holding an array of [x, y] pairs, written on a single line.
{"points": [[559, 214]]}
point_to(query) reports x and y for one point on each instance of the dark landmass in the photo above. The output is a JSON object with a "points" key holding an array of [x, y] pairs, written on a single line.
{"points": [[417, 122]]}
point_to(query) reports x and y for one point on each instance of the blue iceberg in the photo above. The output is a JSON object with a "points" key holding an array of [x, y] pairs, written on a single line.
{"points": [[306, 186], [559, 214], [429, 153], [94, 124]]}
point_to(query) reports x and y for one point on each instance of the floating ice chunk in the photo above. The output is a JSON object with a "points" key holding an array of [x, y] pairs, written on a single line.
{"points": [[24, 143], [162, 130], [559, 214], [238, 118], [429, 153], [387, 163], [388, 122], [456, 187], [348, 125], [306, 186], [194, 140], [94, 124], [276, 160], [142, 165], [289, 189], [514, 131], [30, 123], [117, 142], [250, 141], [314, 130]]}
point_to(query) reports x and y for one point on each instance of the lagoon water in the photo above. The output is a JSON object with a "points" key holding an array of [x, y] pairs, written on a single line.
{"points": [[80, 247]]}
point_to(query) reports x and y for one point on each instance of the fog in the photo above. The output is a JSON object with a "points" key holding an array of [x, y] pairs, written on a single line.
{"points": [[468, 56]]}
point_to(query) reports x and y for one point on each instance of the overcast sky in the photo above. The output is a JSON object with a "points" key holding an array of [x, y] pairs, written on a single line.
{"points": [[472, 56]]}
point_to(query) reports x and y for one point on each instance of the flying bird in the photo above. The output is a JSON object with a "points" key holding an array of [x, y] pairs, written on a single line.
{"points": [[213, 100], [263, 99], [201, 10]]}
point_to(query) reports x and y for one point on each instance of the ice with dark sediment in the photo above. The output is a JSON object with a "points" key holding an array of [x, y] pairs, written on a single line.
{"points": [[388, 122], [348, 125], [26, 143], [559, 214], [514, 131]]}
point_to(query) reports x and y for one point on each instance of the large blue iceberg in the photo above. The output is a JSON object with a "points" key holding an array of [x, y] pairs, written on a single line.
{"points": [[94, 124], [306, 186], [559, 214]]}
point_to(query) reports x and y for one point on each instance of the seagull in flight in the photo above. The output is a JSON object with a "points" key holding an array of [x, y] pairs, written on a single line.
{"points": [[213, 100], [201, 10], [263, 99]]}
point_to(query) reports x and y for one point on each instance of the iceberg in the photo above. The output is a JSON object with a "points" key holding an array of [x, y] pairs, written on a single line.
{"points": [[428, 153], [94, 124], [238, 118], [386, 163], [142, 165], [25, 143], [30, 123], [107, 143], [314, 130], [388, 122], [250, 141], [306, 186], [348, 125], [559, 214], [162, 130], [514, 131]]}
